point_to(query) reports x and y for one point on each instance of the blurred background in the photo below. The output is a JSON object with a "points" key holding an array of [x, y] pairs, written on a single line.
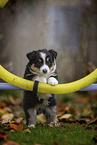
{"points": [[67, 26]]}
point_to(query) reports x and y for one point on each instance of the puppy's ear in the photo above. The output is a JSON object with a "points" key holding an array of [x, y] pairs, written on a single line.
{"points": [[31, 55], [53, 53]]}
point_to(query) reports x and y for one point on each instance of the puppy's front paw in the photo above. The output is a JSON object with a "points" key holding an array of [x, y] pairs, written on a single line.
{"points": [[31, 125], [52, 81]]}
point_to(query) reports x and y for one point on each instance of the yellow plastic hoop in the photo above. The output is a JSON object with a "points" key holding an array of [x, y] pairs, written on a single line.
{"points": [[47, 88], [3, 3]]}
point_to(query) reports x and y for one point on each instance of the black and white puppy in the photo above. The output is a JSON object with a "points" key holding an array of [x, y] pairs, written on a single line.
{"points": [[41, 67]]}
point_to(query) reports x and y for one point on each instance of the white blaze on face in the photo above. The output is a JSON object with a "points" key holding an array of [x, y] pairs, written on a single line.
{"points": [[44, 68]]}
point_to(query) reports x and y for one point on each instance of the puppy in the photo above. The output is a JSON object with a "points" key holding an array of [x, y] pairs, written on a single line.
{"points": [[41, 67]]}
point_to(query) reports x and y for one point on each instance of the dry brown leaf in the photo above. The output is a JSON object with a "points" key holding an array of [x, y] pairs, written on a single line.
{"points": [[71, 109], [55, 143], [60, 109], [17, 127], [93, 122], [92, 116], [60, 114], [27, 130], [12, 121], [7, 128], [7, 109], [2, 112], [64, 126], [19, 120], [3, 136], [41, 117], [11, 143], [81, 121], [11, 99], [3, 104], [67, 109], [65, 116], [5, 121], [12, 130], [17, 113], [14, 101]]}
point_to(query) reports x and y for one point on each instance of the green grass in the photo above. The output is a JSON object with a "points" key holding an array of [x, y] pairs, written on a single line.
{"points": [[44, 135]]}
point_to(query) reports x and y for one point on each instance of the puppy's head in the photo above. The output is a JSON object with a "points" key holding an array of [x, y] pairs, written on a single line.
{"points": [[42, 61]]}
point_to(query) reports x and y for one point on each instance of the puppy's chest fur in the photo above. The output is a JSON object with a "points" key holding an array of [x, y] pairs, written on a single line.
{"points": [[41, 67], [44, 97]]}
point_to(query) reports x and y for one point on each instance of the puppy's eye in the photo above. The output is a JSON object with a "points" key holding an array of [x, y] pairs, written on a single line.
{"points": [[39, 62]]}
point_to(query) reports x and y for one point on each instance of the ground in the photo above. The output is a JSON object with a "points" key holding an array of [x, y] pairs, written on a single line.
{"points": [[77, 116]]}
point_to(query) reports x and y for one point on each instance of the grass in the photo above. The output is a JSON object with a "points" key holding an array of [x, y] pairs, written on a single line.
{"points": [[73, 134], [67, 134]]}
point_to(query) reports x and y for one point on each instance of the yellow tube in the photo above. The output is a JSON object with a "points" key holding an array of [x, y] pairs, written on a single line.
{"points": [[47, 88]]}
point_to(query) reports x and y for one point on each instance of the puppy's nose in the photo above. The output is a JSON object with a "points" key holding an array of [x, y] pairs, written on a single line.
{"points": [[44, 71]]}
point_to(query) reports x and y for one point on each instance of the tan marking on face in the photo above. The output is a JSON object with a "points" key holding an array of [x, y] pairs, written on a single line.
{"points": [[34, 68], [47, 59], [52, 68], [34, 78], [40, 60]]}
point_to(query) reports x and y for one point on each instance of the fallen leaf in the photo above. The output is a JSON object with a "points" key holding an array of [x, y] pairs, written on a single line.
{"points": [[81, 121], [60, 109], [67, 109], [27, 130], [12, 121], [60, 114], [64, 126], [19, 120], [11, 99], [3, 136], [12, 130], [8, 116], [92, 116], [11, 143], [55, 143], [18, 127], [41, 117], [14, 101], [93, 122], [65, 116], [17, 113], [7, 109], [70, 109], [3, 104], [86, 111], [54, 124], [72, 120], [7, 128], [5, 121], [2, 112]]}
